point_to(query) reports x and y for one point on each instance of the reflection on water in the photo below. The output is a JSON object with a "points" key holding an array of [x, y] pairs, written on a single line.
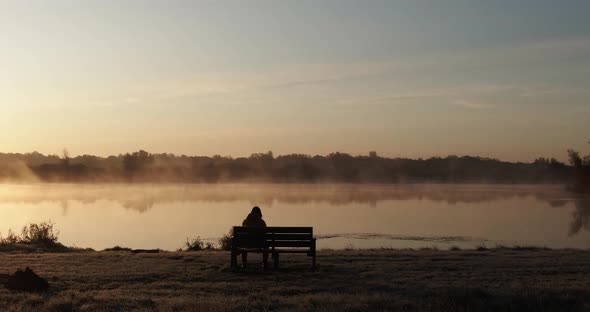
{"points": [[143, 197], [581, 216], [343, 215]]}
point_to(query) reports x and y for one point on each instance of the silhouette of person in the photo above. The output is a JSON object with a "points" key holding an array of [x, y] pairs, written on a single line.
{"points": [[254, 219]]}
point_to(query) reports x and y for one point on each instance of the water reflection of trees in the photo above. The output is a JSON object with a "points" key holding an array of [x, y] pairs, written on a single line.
{"points": [[581, 216], [143, 197]]}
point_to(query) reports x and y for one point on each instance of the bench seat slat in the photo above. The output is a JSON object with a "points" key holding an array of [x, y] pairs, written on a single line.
{"points": [[255, 236], [279, 250], [290, 229], [250, 243], [288, 236], [284, 250], [277, 230], [252, 249], [270, 244], [290, 244]]}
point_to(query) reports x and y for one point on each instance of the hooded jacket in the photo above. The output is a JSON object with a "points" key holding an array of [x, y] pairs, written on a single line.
{"points": [[254, 220]]}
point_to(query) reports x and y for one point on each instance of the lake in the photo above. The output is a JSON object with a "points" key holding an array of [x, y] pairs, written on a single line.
{"points": [[343, 215]]}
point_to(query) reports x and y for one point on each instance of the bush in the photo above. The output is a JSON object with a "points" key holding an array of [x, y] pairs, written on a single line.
{"points": [[197, 245], [225, 241], [42, 235], [10, 239], [39, 234], [194, 244]]}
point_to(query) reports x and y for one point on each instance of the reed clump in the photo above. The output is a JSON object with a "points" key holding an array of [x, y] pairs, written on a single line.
{"points": [[34, 237]]}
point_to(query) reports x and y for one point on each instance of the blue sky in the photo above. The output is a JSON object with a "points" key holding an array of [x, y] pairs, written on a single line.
{"points": [[505, 79]]}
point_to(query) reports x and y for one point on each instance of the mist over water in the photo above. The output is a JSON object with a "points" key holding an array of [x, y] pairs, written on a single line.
{"points": [[343, 215]]}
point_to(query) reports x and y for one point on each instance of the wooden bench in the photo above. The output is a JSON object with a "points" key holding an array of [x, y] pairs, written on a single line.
{"points": [[274, 240]]}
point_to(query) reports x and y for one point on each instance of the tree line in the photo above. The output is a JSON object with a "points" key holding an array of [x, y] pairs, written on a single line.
{"points": [[142, 166], [581, 166]]}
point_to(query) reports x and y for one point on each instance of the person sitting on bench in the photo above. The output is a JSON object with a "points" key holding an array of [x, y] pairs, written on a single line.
{"points": [[254, 219]]}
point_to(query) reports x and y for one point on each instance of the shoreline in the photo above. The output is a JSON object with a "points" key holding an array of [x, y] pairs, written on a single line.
{"points": [[39, 249]]}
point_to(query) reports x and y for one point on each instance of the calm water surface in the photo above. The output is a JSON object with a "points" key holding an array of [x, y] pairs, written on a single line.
{"points": [[343, 216]]}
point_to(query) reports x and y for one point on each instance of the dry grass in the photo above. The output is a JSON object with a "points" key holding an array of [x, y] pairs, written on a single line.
{"points": [[379, 280]]}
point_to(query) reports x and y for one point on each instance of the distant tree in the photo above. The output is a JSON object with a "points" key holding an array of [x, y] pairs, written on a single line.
{"points": [[262, 156], [66, 158], [136, 162], [581, 166]]}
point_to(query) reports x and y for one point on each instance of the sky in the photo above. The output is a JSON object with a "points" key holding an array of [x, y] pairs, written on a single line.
{"points": [[502, 79]]}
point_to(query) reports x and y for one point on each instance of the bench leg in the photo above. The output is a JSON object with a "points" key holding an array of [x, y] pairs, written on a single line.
{"points": [[313, 252], [265, 259], [234, 260], [244, 258], [275, 257]]}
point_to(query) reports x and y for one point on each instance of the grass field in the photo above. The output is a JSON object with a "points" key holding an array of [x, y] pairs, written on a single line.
{"points": [[379, 280]]}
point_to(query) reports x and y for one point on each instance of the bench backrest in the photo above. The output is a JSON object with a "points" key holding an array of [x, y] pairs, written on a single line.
{"points": [[272, 237]]}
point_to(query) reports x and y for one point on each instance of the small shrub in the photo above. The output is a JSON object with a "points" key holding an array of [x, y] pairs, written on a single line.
{"points": [[34, 236], [194, 244], [481, 248], [10, 239], [197, 244], [225, 241], [349, 247], [41, 234]]}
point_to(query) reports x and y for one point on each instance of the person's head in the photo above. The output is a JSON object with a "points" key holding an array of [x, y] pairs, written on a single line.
{"points": [[256, 211]]}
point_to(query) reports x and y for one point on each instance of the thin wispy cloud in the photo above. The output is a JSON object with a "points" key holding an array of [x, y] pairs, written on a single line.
{"points": [[474, 104], [318, 75]]}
